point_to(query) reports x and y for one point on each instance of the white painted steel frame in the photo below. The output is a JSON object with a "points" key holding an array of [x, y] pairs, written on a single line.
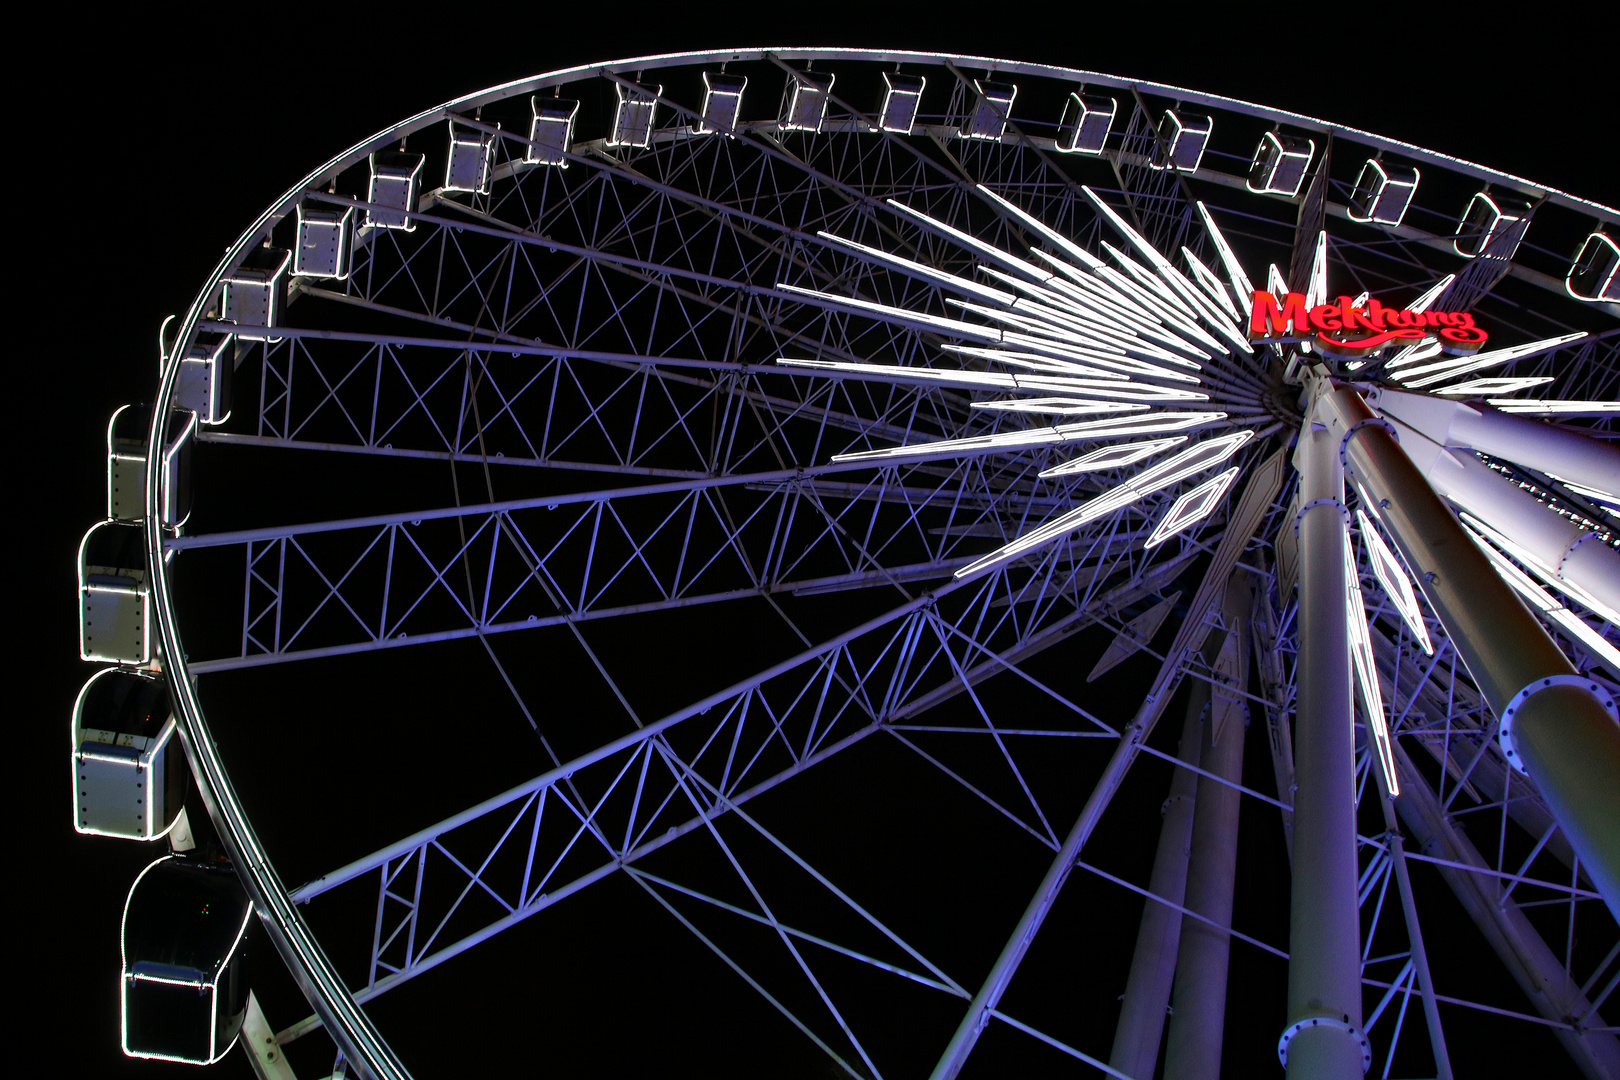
{"points": [[1063, 587]]}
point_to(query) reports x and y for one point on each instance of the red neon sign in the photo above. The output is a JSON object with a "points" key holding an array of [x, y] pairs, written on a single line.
{"points": [[1343, 329]]}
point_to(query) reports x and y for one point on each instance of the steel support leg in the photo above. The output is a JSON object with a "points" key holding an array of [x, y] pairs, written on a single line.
{"points": [[1323, 1040], [1153, 966], [1533, 965], [1563, 730], [1198, 1018]]}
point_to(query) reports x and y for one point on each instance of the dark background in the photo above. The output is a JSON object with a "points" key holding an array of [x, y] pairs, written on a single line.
{"points": [[152, 140]]}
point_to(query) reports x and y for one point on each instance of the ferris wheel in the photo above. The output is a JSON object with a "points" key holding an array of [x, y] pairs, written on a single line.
{"points": [[757, 466]]}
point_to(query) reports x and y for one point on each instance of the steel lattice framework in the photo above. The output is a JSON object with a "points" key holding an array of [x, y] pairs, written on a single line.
{"points": [[587, 345]]}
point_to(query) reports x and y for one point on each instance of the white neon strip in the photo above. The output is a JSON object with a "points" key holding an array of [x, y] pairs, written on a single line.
{"points": [[1114, 304], [1242, 287], [1113, 427], [1423, 302], [1481, 387], [1372, 699], [1463, 365], [1607, 497], [914, 319], [1212, 284], [1541, 407], [918, 270], [1423, 350], [1039, 362], [1316, 292], [1058, 406], [1278, 283], [1072, 332], [1061, 307], [1148, 298], [1115, 457], [1543, 571], [1158, 288], [989, 251], [1194, 459], [894, 373], [1053, 374], [1185, 293], [1051, 235], [1130, 365], [1397, 586], [1539, 599], [1192, 507]]}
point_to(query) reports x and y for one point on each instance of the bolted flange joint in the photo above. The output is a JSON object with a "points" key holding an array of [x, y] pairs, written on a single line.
{"points": [[1341, 1022], [1504, 730]]}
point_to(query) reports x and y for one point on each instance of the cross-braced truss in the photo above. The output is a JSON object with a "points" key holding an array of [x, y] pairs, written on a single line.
{"points": [[587, 349]]}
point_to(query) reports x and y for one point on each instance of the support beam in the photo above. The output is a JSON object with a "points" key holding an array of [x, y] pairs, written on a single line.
{"points": [[1561, 729], [1158, 937], [1323, 1039], [1198, 1014], [1534, 966]]}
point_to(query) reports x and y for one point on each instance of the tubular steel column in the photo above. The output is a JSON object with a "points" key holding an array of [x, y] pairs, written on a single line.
{"points": [[1558, 727], [1323, 1039], [1198, 1018], [1153, 966]]}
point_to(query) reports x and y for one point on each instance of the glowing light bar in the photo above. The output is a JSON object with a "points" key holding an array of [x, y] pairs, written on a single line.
{"points": [[1115, 457], [973, 243], [1192, 507], [901, 96], [1413, 353], [1392, 576], [1191, 298], [1372, 699], [1030, 317], [1446, 369], [1212, 284], [1538, 407], [1038, 362], [918, 270], [1242, 288], [1316, 290], [1540, 601], [1113, 427], [1059, 406], [722, 101], [1436, 291], [1192, 460], [1546, 573], [1481, 387]]}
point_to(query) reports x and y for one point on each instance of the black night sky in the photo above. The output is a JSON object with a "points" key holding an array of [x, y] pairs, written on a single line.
{"points": [[176, 130]]}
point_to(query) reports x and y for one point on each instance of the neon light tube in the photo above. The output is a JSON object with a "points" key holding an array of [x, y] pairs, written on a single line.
{"points": [[1543, 571], [1194, 459], [1544, 604], [918, 270], [1480, 387], [1391, 575], [1242, 288], [1212, 284], [1539, 407], [1115, 457], [1433, 373], [1057, 406], [1372, 699], [1113, 427], [1192, 507]]}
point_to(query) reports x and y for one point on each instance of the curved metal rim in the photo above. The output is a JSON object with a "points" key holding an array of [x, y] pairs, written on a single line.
{"points": [[356, 1036]]}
